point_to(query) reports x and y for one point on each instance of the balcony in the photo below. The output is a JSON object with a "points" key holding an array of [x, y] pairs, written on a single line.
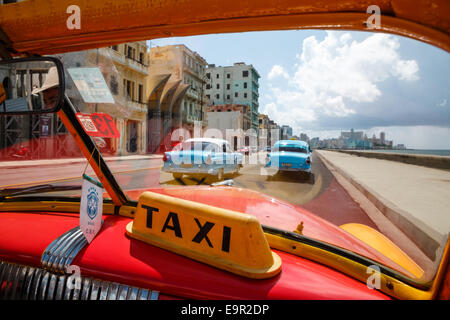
{"points": [[129, 62], [136, 105]]}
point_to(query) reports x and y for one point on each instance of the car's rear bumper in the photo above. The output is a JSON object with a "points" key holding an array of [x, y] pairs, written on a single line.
{"points": [[195, 169], [291, 169]]}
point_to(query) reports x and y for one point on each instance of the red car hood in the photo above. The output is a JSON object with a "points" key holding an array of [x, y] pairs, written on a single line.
{"points": [[274, 213]]}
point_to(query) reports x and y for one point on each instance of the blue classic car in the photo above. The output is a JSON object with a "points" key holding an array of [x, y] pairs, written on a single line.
{"points": [[290, 155], [201, 157]]}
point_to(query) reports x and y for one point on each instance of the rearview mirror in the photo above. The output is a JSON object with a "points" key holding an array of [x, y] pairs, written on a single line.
{"points": [[31, 85]]}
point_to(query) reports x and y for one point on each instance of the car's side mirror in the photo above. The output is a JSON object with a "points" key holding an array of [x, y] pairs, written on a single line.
{"points": [[31, 86]]}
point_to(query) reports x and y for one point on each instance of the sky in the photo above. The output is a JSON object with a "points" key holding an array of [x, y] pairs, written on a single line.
{"points": [[324, 82]]}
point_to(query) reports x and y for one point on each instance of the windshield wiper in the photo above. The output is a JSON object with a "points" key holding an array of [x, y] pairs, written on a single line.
{"points": [[11, 192]]}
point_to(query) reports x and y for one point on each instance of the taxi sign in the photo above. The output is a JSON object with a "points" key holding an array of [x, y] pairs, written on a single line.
{"points": [[225, 239]]}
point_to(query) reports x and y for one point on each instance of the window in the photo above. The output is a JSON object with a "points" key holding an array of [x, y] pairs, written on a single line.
{"points": [[228, 75], [245, 85], [217, 96], [217, 76], [141, 93], [235, 94], [217, 86], [208, 96], [245, 74], [208, 86], [228, 97], [141, 58], [114, 85], [228, 86], [245, 95], [208, 75]]}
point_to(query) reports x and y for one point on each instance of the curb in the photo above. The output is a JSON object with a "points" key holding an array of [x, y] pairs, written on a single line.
{"points": [[400, 218]]}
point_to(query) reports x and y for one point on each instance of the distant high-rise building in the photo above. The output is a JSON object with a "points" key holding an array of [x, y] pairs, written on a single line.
{"points": [[382, 137], [304, 137], [286, 132]]}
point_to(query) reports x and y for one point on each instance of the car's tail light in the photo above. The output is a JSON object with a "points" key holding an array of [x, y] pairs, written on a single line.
{"points": [[308, 160], [165, 158]]}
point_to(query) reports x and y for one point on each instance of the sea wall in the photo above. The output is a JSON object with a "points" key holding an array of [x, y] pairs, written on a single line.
{"points": [[431, 161]]}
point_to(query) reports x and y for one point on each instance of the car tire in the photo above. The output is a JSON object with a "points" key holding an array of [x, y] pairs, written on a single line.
{"points": [[220, 174], [177, 175]]}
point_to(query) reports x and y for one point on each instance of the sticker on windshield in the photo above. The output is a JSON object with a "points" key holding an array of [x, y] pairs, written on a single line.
{"points": [[98, 125], [91, 207], [91, 85]]}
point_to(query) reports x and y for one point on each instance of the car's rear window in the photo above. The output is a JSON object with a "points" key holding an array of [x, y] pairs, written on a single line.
{"points": [[290, 149], [199, 146]]}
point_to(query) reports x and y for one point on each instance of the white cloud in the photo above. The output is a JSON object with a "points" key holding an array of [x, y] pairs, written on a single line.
{"points": [[277, 71], [336, 74]]}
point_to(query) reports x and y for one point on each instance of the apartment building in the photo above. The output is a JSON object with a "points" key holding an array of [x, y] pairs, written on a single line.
{"points": [[237, 84]]}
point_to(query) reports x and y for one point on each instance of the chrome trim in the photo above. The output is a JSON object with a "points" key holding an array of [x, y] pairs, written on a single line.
{"points": [[35, 284], [43, 286], [86, 288], [123, 292], [133, 294], [61, 250], [103, 291], [8, 281], [21, 275], [28, 282], [60, 287], [52, 286], [154, 295], [18, 282], [95, 290], [143, 294], [50, 250], [113, 289]]}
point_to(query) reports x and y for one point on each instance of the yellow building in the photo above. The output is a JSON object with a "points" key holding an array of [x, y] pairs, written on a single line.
{"points": [[131, 62], [124, 68], [176, 87]]}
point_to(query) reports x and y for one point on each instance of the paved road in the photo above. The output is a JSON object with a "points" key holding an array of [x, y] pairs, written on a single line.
{"points": [[320, 194]]}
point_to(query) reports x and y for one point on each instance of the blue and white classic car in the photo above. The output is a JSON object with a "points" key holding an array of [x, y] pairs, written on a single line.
{"points": [[201, 157], [290, 155]]}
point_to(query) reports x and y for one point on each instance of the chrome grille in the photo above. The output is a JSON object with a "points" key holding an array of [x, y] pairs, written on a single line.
{"points": [[18, 282]]}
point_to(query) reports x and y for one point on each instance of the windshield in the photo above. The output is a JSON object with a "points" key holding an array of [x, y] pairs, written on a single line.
{"points": [[361, 102]]}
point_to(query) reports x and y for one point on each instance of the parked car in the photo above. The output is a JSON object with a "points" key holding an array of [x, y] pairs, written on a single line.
{"points": [[290, 155], [202, 156]]}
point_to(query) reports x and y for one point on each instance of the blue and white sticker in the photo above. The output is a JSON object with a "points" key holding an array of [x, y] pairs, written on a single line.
{"points": [[91, 207]]}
